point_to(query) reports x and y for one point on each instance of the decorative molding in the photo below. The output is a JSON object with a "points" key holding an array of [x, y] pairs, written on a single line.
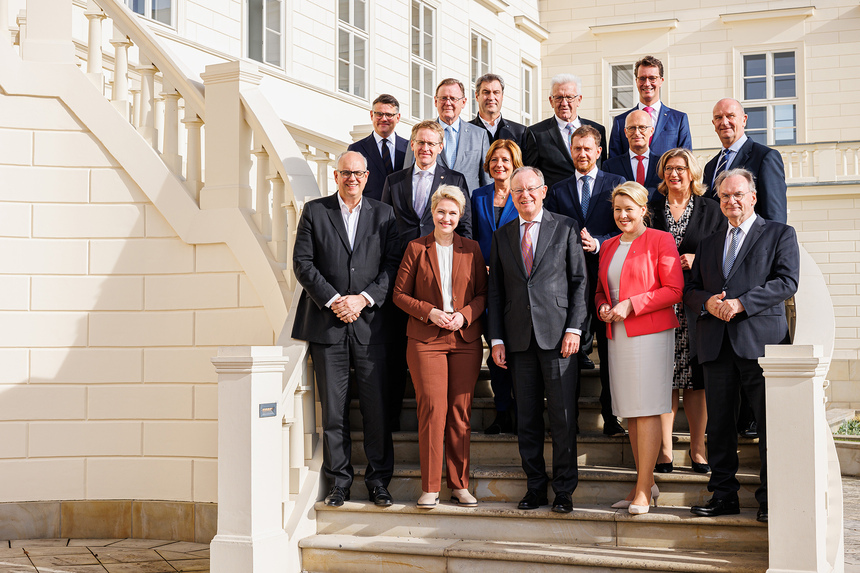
{"points": [[532, 28], [496, 6], [802, 12], [668, 24]]}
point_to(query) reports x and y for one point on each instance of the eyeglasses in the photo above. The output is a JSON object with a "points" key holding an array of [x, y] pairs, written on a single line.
{"points": [[529, 189], [673, 169], [568, 99], [725, 198], [430, 144], [635, 128], [347, 174], [381, 114], [449, 99], [643, 79]]}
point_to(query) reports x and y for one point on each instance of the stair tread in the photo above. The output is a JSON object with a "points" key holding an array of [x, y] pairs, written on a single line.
{"points": [[593, 437]]}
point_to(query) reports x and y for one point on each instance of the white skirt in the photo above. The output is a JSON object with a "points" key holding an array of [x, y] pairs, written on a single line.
{"points": [[640, 372]]}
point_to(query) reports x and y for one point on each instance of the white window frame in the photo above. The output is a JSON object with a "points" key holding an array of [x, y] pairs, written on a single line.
{"points": [[349, 30], [528, 92], [423, 95], [264, 37], [480, 63], [147, 10]]}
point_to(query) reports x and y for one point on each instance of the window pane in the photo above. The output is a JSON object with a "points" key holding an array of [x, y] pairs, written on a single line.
{"points": [[755, 65], [255, 30], [783, 63], [343, 76], [343, 45], [137, 6], [757, 118], [429, 85], [273, 48], [360, 15], [416, 91], [784, 137], [343, 10], [758, 136], [784, 86], [622, 76], [273, 15], [622, 98], [428, 47], [784, 116], [161, 11], [359, 65], [755, 88]]}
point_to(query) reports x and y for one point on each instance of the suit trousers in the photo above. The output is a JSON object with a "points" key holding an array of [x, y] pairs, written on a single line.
{"points": [[501, 383], [444, 372], [595, 331], [331, 366], [538, 373], [726, 378], [398, 375]]}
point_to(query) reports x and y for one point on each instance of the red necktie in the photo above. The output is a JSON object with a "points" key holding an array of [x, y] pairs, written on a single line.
{"points": [[640, 170], [526, 247]]}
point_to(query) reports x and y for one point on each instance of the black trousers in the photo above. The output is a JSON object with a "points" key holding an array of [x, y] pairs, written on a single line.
{"points": [[726, 378], [537, 373], [331, 366], [595, 331]]}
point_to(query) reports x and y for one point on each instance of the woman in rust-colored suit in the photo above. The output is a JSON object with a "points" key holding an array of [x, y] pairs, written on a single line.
{"points": [[442, 286]]}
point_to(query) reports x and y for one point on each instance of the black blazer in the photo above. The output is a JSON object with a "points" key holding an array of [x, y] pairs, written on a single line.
{"points": [[620, 165], [563, 198], [547, 302], [546, 150], [397, 192], [325, 265], [512, 130], [767, 167], [376, 178], [764, 275]]}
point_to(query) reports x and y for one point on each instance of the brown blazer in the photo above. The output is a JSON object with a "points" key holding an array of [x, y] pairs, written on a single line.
{"points": [[418, 287]]}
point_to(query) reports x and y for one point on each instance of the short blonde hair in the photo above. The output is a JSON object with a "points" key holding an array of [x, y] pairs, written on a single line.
{"points": [[696, 173], [450, 192], [430, 124], [637, 193]]}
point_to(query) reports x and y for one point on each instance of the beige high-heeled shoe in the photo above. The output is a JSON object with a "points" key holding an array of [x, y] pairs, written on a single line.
{"points": [[428, 500], [624, 504]]}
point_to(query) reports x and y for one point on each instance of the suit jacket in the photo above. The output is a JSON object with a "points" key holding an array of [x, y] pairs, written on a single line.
{"points": [[546, 149], [472, 150], [418, 288], [650, 277], [672, 130], [398, 193], [600, 221], [376, 178], [325, 265], [620, 165], [549, 300], [767, 167], [484, 216], [765, 273], [506, 130]]}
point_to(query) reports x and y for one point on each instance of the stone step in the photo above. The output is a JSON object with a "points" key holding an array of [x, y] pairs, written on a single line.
{"points": [[349, 554], [601, 486]]}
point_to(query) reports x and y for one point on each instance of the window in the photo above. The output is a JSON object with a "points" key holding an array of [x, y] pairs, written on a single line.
{"points": [[264, 31], [528, 91], [622, 88], [352, 47], [158, 10], [770, 97], [480, 62], [422, 60]]}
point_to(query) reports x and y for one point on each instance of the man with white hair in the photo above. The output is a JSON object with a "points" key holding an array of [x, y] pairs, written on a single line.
{"points": [[547, 144]]}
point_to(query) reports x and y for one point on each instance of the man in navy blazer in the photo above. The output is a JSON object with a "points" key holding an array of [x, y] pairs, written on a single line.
{"points": [[671, 127], [740, 278], [466, 145], [639, 164], [489, 93], [384, 150], [595, 219], [547, 143], [740, 151]]}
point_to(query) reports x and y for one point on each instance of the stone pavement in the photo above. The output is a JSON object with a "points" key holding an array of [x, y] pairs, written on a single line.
{"points": [[851, 521]]}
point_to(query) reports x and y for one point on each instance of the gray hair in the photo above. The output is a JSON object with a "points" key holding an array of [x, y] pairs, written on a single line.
{"points": [[566, 79], [339, 157], [488, 78], [528, 169], [737, 172]]}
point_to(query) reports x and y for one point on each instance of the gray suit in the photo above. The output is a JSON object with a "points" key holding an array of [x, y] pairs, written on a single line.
{"points": [[472, 148], [530, 313]]}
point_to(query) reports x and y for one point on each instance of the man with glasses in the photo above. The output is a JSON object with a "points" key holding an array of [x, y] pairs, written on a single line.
{"points": [[465, 145], [639, 164], [547, 143], [346, 257], [740, 277], [384, 150], [489, 93], [671, 127]]}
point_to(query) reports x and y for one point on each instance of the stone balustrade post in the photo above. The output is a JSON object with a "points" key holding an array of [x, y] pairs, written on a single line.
{"points": [[263, 216], [95, 67], [119, 92], [193, 154], [147, 104], [250, 534], [170, 146], [48, 36], [278, 244], [21, 22]]}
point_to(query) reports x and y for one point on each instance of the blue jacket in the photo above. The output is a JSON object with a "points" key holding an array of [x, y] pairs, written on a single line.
{"points": [[672, 130], [484, 216]]}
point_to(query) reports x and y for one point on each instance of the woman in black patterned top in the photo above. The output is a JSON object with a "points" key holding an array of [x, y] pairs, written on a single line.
{"points": [[680, 209]]}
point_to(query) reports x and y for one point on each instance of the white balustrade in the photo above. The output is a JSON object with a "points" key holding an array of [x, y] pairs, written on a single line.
{"points": [[170, 130], [263, 203], [194, 154], [95, 67], [146, 113]]}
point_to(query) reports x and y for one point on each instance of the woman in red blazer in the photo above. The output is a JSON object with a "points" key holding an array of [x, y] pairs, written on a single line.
{"points": [[442, 286], [639, 281]]}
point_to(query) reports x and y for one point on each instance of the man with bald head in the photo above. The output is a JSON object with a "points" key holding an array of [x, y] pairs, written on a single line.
{"points": [[738, 151], [639, 164]]}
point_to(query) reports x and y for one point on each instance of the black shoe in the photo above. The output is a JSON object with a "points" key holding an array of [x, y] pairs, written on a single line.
{"points": [[501, 425], [761, 515], [380, 496], [751, 431], [532, 500], [716, 507], [664, 468], [701, 468], [585, 363], [611, 427], [563, 503], [336, 496]]}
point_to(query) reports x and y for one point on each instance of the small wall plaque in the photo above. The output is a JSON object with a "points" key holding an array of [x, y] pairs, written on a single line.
{"points": [[268, 410]]}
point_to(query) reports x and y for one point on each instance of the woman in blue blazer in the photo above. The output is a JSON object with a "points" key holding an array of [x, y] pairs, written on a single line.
{"points": [[492, 207]]}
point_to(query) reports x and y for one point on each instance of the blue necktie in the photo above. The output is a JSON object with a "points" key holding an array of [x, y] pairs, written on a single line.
{"points": [[732, 253], [586, 195], [450, 146]]}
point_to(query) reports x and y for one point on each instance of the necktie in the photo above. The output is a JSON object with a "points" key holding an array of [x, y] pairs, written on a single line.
{"points": [[586, 195], [386, 158], [722, 163], [640, 170], [569, 129], [732, 253], [422, 192], [650, 111], [450, 147], [527, 247]]}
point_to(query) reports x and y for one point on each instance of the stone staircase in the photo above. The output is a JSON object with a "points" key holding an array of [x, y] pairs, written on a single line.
{"points": [[359, 537]]}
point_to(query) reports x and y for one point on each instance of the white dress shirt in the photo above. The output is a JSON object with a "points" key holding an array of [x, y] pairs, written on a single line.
{"points": [[391, 141], [562, 126], [593, 175], [654, 113], [445, 257], [492, 128], [745, 229], [350, 221], [634, 163]]}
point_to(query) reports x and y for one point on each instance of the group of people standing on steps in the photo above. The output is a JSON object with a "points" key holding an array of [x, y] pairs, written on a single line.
{"points": [[540, 241]]}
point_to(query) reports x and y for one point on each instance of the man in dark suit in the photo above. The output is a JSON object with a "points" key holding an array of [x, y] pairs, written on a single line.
{"points": [[740, 277], [345, 257], [740, 151], [639, 164], [384, 150], [547, 144], [489, 93], [585, 198], [671, 127], [409, 192], [536, 315]]}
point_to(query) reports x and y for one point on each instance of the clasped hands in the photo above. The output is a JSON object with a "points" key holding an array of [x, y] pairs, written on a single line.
{"points": [[723, 308], [615, 313], [447, 320], [348, 308], [569, 347]]}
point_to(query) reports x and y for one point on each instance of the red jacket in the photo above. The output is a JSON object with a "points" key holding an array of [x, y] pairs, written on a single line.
{"points": [[651, 278]]}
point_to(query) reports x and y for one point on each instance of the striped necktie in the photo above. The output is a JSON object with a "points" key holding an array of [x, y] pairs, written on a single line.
{"points": [[732, 253]]}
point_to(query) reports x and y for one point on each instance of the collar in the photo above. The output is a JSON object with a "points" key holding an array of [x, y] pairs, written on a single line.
{"points": [[634, 155], [562, 124], [537, 219], [592, 174], [658, 105], [488, 124], [431, 170], [736, 146], [745, 226], [455, 125], [378, 138], [343, 206]]}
